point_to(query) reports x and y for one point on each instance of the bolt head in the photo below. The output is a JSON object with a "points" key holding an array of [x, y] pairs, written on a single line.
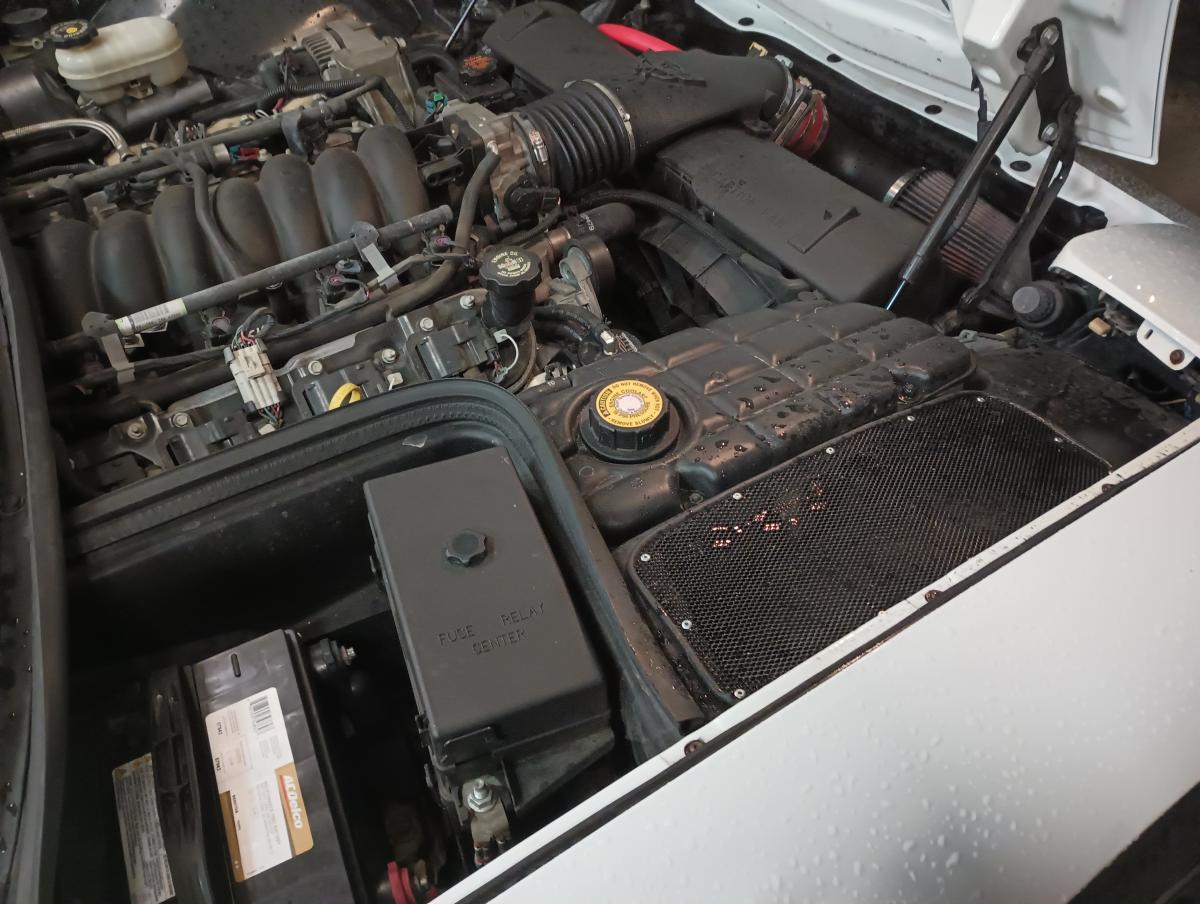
{"points": [[1050, 132], [686, 624], [482, 798], [738, 693], [315, 367], [644, 557], [136, 430], [467, 548], [388, 355], [466, 302], [737, 496], [181, 419], [1050, 34], [829, 450], [426, 324]]}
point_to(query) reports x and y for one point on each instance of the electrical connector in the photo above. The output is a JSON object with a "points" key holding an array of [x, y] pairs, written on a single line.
{"points": [[252, 372]]}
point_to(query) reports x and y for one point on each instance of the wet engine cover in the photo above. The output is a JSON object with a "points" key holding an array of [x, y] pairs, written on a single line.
{"points": [[748, 392]]}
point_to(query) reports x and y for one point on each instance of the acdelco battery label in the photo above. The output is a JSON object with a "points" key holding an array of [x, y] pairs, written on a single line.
{"points": [[261, 802], [146, 864]]}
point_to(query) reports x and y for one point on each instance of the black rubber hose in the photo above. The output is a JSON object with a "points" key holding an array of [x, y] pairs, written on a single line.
{"points": [[305, 336], [858, 160], [67, 150], [581, 319], [74, 487], [227, 257], [556, 328], [534, 231], [49, 172], [401, 302], [639, 198], [584, 133], [264, 100], [572, 335]]}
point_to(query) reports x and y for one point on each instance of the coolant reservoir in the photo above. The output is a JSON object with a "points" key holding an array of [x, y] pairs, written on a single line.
{"points": [[103, 68]]}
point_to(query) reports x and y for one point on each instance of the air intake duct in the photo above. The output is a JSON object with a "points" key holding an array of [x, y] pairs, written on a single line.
{"points": [[617, 107], [593, 130], [586, 135], [918, 192]]}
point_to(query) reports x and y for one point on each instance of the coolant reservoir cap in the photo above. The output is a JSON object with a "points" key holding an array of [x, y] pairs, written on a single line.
{"points": [[629, 420]]}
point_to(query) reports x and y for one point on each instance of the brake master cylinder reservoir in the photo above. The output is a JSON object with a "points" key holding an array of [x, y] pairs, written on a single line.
{"points": [[103, 65]]}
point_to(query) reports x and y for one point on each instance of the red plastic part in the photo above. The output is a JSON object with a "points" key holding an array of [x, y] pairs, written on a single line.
{"points": [[811, 131], [398, 879], [635, 39], [810, 134]]}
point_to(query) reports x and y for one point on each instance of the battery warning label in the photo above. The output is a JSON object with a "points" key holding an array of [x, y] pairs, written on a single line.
{"points": [[146, 865], [262, 806]]}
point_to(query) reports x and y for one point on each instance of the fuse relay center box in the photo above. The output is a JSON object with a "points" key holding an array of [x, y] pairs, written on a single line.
{"points": [[497, 657]]}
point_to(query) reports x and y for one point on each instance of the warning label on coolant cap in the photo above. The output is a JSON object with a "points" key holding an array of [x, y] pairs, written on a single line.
{"points": [[146, 865], [262, 807]]}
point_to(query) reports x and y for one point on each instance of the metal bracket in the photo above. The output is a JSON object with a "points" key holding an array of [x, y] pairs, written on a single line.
{"points": [[1059, 107], [1040, 52], [102, 328], [366, 240], [997, 280], [114, 350], [1053, 91]]}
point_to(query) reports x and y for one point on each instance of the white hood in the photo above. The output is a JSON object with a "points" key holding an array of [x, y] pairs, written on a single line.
{"points": [[920, 53]]}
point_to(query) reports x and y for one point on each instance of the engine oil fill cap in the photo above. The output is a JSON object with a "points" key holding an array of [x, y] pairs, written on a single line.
{"points": [[629, 420]]}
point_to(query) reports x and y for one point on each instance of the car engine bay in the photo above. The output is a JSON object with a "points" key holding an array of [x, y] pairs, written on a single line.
{"points": [[453, 407]]}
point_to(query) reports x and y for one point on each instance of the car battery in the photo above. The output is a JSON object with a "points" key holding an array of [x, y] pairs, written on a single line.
{"points": [[242, 767]]}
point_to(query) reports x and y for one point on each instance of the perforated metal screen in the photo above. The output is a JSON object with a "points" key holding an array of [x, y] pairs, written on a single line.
{"points": [[759, 580]]}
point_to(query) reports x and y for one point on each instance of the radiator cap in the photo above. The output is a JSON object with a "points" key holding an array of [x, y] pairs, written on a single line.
{"points": [[629, 420]]}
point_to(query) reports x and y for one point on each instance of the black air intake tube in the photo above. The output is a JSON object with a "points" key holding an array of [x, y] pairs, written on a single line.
{"points": [[617, 107], [593, 130], [587, 139], [919, 192]]}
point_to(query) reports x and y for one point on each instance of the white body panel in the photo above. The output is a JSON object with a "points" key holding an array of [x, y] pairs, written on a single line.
{"points": [[1005, 748], [915, 53]]}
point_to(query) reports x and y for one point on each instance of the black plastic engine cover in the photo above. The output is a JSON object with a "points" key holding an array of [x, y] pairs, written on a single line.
{"points": [[750, 391], [482, 609], [792, 214]]}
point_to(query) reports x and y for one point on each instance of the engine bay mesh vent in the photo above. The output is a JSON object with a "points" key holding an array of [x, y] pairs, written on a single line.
{"points": [[760, 579]]}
